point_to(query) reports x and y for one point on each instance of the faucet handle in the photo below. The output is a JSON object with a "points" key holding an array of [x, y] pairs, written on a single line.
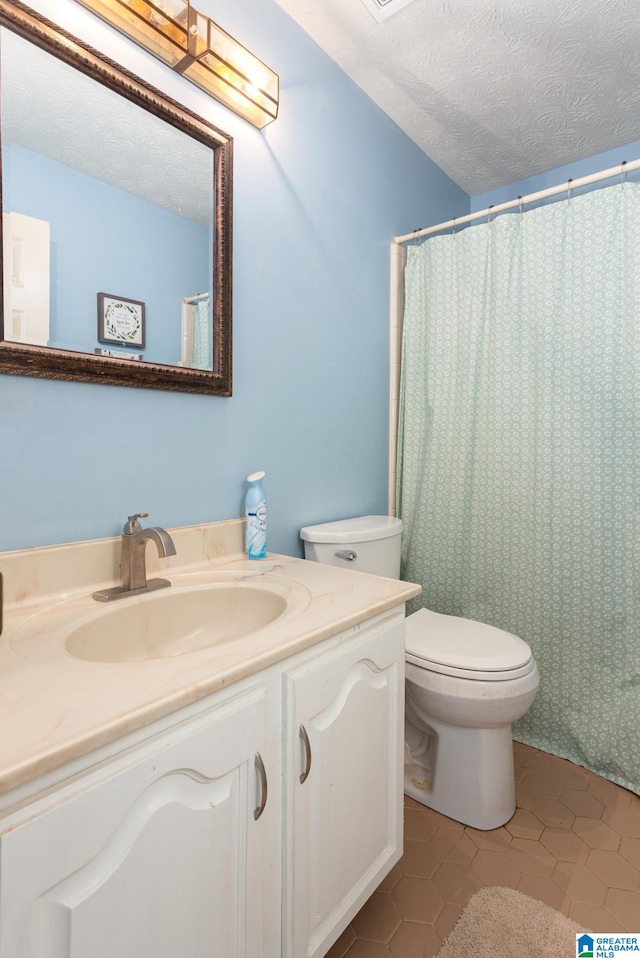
{"points": [[132, 526]]}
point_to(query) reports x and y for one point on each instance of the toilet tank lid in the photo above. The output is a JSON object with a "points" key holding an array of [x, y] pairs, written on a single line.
{"points": [[360, 529]]}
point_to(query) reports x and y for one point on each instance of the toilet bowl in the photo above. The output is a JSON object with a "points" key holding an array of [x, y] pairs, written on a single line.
{"points": [[465, 683]]}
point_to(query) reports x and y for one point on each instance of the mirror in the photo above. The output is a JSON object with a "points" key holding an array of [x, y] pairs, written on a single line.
{"points": [[116, 224]]}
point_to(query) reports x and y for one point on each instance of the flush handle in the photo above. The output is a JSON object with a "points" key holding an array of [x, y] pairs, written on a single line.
{"points": [[304, 738], [347, 554], [263, 786]]}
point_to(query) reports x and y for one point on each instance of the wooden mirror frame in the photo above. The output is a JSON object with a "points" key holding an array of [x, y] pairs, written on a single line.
{"points": [[21, 359]]}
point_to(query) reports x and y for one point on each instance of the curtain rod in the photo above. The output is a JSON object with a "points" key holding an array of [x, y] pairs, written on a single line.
{"points": [[621, 170], [194, 299]]}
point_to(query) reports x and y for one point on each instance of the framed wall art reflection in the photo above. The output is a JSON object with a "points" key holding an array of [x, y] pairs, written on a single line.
{"points": [[120, 321]]}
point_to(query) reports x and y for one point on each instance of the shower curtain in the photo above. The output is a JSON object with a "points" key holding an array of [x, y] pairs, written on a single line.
{"points": [[202, 329], [519, 455], [197, 332]]}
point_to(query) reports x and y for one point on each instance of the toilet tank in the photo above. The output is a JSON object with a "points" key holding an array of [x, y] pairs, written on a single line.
{"points": [[365, 544]]}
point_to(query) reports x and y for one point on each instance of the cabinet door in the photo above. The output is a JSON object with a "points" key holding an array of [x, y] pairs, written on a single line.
{"points": [[344, 820], [157, 855], [27, 279]]}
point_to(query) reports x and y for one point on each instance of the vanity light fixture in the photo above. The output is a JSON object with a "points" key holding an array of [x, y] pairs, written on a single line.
{"points": [[193, 45]]}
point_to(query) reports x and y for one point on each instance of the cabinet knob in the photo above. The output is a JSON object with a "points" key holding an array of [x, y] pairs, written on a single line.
{"points": [[262, 774], [307, 751]]}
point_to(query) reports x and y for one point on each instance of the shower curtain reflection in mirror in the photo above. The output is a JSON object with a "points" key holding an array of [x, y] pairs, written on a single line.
{"points": [[196, 332]]}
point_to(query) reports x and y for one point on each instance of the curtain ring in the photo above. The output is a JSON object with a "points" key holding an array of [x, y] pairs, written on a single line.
{"points": [[520, 204], [569, 190], [623, 173], [489, 219], [453, 231]]}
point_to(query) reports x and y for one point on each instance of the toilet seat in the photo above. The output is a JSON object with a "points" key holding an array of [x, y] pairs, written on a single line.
{"points": [[460, 647]]}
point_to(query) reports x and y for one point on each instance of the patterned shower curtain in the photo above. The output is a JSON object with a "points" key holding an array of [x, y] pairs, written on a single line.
{"points": [[202, 332], [519, 455]]}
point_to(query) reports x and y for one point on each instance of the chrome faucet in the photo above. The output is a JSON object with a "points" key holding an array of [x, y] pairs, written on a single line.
{"points": [[133, 572]]}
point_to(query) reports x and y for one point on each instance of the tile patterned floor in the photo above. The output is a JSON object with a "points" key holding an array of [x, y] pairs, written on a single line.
{"points": [[573, 842]]}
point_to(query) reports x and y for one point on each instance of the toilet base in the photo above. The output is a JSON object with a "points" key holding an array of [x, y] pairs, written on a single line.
{"points": [[468, 773]]}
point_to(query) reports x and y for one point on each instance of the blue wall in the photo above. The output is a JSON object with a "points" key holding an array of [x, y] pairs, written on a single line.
{"points": [[585, 167], [104, 239], [318, 196]]}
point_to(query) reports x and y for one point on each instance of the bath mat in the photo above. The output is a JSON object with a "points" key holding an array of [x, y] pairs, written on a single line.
{"points": [[502, 923]]}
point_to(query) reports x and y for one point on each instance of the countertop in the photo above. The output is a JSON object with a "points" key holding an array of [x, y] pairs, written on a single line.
{"points": [[55, 708]]}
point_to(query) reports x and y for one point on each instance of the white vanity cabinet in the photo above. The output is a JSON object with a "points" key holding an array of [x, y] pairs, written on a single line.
{"points": [[151, 848], [343, 782], [155, 854]]}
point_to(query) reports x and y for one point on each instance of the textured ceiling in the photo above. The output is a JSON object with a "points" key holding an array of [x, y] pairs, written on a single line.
{"points": [[492, 90], [49, 107]]}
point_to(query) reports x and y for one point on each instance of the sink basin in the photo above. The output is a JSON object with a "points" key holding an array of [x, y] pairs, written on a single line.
{"points": [[174, 622]]}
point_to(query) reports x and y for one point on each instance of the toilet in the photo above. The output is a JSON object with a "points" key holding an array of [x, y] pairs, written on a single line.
{"points": [[466, 682]]}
